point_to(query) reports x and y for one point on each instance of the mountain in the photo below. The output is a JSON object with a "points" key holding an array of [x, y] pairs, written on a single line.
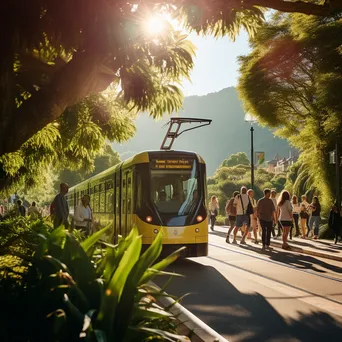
{"points": [[227, 134]]}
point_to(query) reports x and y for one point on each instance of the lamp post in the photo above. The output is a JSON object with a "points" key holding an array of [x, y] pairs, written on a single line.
{"points": [[251, 119]]}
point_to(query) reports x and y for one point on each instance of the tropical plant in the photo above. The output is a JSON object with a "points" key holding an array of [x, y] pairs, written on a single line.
{"points": [[291, 80], [239, 158], [71, 291]]}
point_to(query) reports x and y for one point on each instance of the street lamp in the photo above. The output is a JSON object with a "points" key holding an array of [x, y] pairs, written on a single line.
{"points": [[251, 119]]}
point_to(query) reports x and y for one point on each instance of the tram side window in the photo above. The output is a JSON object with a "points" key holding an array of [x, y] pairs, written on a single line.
{"points": [[129, 193], [138, 191], [102, 199], [117, 202], [96, 199], [110, 197]]}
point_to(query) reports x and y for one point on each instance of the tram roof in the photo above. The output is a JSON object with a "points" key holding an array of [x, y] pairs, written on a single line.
{"points": [[139, 158]]}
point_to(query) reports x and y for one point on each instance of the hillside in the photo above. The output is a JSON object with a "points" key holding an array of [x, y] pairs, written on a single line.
{"points": [[227, 134]]}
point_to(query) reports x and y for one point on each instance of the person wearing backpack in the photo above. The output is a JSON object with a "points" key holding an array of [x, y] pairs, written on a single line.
{"points": [[243, 211], [231, 214]]}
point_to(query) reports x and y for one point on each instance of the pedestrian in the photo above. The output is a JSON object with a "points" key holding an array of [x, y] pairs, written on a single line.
{"points": [[213, 211], [276, 223], [304, 216], [307, 208], [83, 215], [33, 211], [285, 215], [253, 217], [315, 218], [266, 214], [334, 222], [296, 211], [21, 211], [60, 207], [243, 205], [231, 212]]}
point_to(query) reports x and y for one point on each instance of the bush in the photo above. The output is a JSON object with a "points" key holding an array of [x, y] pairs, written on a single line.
{"points": [[72, 291], [325, 232], [220, 220]]}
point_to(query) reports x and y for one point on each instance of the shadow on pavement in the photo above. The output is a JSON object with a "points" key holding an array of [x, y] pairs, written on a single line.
{"points": [[244, 317], [301, 261]]}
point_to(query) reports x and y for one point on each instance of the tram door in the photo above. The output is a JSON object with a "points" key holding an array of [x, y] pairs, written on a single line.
{"points": [[118, 205], [124, 205], [129, 201]]}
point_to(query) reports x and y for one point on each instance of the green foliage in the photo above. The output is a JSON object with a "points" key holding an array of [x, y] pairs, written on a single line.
{"points": [[102, 162], [76, 292], [291, 80], [239, 158], [226, 180]]}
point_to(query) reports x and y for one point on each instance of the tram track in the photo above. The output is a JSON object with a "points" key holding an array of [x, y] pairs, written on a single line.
{"points": [[275, 280]]}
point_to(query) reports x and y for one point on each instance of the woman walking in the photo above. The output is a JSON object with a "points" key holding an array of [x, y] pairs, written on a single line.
{"points": [[315, 218], [296, 211], [303, 214], [213, 211], [83, 215], [285, 215], [335, 221], [231, 213]]}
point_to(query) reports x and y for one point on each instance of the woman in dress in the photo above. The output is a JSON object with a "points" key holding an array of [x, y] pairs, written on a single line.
{"points": [[285, 215], [296, 211], [213, 211], [83, 215]]}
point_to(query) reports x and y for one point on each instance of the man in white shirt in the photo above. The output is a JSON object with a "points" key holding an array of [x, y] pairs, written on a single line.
{"points": [[241, 202]]}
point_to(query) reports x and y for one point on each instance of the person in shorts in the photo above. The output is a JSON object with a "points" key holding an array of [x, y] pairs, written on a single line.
{"points": [[231, 212], [241, 202], [285, 215]]}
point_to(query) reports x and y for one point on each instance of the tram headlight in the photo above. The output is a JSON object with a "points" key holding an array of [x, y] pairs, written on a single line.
{"points": [[155, 231], [148, 219], [199, 218], [197, 230]]}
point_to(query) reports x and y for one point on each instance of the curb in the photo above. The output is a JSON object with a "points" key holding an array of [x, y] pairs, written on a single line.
{"points": [[300, 249], [201, 331]]}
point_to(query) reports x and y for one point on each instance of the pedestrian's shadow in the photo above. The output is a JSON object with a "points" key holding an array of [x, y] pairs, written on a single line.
{"points": [[313, 245], [301, 261], [248, 316]]}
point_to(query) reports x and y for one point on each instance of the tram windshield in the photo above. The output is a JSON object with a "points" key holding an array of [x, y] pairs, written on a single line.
{"points": [[174, 186]]}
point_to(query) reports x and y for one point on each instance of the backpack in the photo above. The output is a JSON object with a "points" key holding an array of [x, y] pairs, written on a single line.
{"points": [[230, 209], [249, 210], [52, 209]]}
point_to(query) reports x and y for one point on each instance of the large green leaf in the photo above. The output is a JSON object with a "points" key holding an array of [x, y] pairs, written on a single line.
{"points": [[92, 239], [126, 304], [118, 281], [151, 272]]}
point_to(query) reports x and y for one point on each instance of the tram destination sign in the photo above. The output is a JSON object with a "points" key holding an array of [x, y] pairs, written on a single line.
{"points": [[172, 164]]}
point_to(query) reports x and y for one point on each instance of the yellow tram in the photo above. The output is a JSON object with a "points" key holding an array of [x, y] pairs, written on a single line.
{"points": [[154, 190]]}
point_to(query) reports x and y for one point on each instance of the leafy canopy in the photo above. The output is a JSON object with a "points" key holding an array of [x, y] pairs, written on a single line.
{"points": [[292, 80]]}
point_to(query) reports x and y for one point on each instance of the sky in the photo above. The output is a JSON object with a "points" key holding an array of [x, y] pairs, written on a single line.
{"points": [[216, 64]]}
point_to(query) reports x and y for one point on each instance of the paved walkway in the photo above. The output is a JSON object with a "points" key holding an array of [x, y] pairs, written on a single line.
{"points": [[321, 248]]}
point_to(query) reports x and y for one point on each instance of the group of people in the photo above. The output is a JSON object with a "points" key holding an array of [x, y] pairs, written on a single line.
{"points": [[83, 216], [268, 213]]}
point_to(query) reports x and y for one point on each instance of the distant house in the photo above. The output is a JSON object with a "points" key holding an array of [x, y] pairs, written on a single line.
{"points": [[280, 165], [272, 164]]}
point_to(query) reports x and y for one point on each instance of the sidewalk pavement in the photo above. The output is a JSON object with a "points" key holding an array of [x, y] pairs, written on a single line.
{"points": [[320, 248]]}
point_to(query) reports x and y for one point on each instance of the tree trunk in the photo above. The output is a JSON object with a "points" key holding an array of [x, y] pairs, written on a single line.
{"points": [[81, 77]]}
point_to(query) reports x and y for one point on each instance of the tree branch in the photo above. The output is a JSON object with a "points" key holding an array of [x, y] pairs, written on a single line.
{"points": [[82, 76], [298, 6]]}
